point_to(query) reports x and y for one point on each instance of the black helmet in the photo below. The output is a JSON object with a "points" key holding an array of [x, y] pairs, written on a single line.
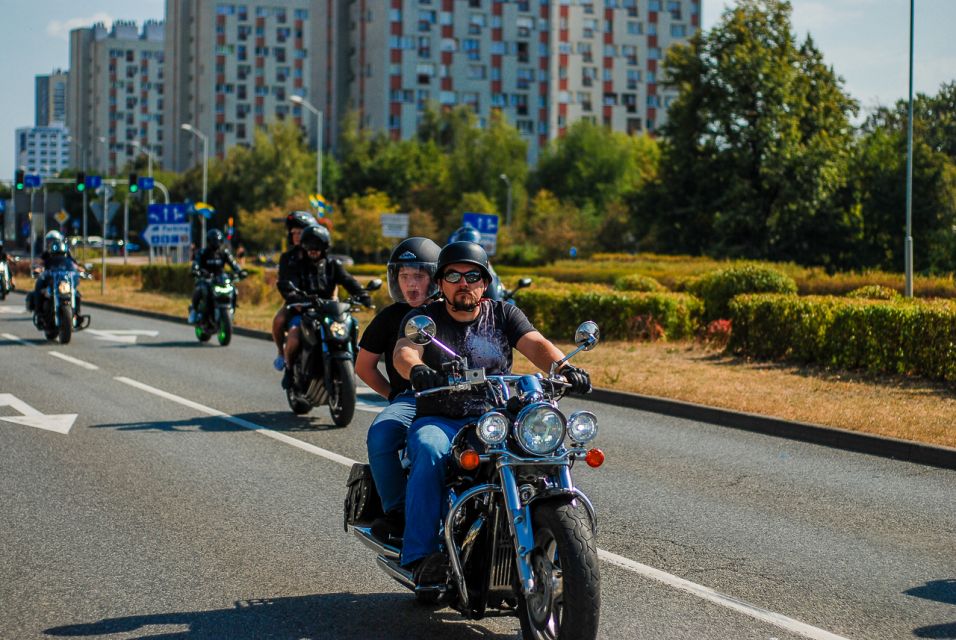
{"points": [[315, 238], [299, 220], [418, 253], [466, 233], [468, 252], [214, 238], [52, 237]]}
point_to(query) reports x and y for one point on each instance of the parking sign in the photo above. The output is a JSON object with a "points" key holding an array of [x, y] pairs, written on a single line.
{"points": [[487, 226]]}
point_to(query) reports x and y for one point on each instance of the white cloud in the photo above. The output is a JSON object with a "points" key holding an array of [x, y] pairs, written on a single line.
{"points": [[61, 29]]}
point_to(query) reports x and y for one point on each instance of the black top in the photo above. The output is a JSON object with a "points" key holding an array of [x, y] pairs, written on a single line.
{"points": [[58, 261], [485, 342], [320, 278], [215, 260], [380, 337]]}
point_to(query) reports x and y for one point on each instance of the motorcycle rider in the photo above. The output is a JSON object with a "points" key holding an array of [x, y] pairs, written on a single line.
{"points": [[5, 259], [485, 332], [212, 260], [295, 224], [56, 255], [410, 273], [317, 275]]}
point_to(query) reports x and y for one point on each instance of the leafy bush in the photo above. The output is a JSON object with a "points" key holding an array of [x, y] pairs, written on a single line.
{"points": [[874, 292], [167, 278], [717, 288], [521, 255], [716, 334], [637, 282]]}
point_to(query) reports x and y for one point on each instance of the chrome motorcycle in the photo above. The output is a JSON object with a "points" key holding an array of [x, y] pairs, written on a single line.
{"points": [[519, 536], [54, 313]]}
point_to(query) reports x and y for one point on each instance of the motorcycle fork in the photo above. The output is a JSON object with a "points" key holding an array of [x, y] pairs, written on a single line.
{"points": [[519, 522]]}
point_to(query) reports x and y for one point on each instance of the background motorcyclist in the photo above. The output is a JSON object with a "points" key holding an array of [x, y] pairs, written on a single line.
{"points": [[295, 223], [485, 332], [5, 259], [55, 257], [411, 283], [318, 276], [211, 261], [467, 233]]}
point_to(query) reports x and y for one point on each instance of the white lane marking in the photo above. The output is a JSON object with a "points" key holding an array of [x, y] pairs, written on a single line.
{"points": [[9, 309], [275, 435], [705, 593], [71, 359], [126, 336], [10, 336], [61, 423]]}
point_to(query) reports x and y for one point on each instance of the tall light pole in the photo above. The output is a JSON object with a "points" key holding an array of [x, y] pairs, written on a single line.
{"points": [[106, 157], [299, 100], [508, 201], [149, 163], [908, 243], [205, 171]]}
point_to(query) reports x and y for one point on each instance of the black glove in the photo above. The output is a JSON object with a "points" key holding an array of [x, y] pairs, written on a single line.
{"points": [[424, 377], [364, 299], [243, 274], [579, 378]]}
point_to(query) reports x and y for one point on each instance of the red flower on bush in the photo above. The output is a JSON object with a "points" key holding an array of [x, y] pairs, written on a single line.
{"points": [[646, 327], [717, 333]]}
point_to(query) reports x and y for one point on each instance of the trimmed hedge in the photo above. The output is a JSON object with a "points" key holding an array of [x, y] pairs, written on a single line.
{"points": [[621, 315], [874, 292], [717, 288], [637, 282], [903, 337]]}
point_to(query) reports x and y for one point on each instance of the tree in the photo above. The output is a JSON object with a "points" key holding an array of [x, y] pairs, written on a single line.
{"points": [[358, 224], [757, 144]]}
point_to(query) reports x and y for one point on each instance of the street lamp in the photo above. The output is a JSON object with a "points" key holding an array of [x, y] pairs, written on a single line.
{"points": [[299, 100], [205, 170], [149, 162], [508, 210], [908, 242], [106, 155]]}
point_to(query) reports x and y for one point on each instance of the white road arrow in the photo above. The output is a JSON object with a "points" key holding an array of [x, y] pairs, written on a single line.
{"points": [[127, 336], [32, 418]]}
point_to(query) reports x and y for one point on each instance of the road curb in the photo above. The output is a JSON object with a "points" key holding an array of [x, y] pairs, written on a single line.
{"points": [[934, 456]]}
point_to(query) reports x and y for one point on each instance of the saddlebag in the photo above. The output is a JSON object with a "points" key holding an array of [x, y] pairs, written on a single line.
{"points": [[362, 504]]}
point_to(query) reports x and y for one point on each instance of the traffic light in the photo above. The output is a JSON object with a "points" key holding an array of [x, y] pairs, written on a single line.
{"points": [[133, 183], [81, 182], [19, 179]]}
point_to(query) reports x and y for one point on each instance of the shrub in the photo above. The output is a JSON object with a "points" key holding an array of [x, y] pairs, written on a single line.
{"points": [[716, 335], [522, 255], [637, 282], [717, 288], [874, 292]]}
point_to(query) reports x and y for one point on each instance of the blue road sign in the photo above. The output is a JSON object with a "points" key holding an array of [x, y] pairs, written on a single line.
{"points": [[487, 226], [94, 182], [31, 180], [174, 213], [145, 183]]}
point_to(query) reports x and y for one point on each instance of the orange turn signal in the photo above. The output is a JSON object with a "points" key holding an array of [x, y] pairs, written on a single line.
{"points": [[594, 458], [469, 460]]}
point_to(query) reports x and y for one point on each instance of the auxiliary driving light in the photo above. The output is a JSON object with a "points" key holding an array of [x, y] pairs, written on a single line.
{"points": [[469, 460]]}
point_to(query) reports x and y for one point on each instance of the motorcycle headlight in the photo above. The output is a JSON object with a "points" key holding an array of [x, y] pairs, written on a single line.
{"points": [[338, 330], [493, 428], [222, 290], [540, 428], [64, 287], [582, 426]]}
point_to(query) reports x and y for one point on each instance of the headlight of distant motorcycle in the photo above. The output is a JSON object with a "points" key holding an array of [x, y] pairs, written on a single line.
{"points": [[64, 287], [338, 330], [493, 428], [582, 426], [222, 291], [540, 428]]}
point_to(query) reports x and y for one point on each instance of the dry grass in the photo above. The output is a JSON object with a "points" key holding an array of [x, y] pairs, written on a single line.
{"points": [[909, 409]]}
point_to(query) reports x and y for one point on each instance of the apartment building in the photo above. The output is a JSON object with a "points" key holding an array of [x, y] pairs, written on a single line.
{"points": [[42, 150], [51, 96], [234, 65], [116, 94]]}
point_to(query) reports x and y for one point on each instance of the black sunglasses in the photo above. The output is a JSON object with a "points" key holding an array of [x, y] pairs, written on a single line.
{"points": [[454, 277]]}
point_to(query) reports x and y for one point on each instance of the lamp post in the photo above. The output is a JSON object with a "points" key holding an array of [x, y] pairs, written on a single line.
{"points": [[299, 100], [205, 170], [149, 164], [508, 201], [908, 242]]}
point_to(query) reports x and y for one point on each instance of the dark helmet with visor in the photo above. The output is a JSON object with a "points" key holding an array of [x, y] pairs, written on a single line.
{"points": [[58, 248], [466, 233], [316, 238], [417, 253], [214, 238], [299, 220], [466, 252]]}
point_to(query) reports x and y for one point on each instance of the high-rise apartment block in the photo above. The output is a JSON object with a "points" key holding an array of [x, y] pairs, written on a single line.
{"points": [[51, 96], [116, 94], [42, 150]]}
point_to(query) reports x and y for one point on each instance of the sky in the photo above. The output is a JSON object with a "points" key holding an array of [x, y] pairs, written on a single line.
{"points": [[866, 42]]}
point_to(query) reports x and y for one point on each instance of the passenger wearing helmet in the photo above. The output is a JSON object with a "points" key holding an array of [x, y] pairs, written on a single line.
{"points": [[317, 275], [211, 262], [411, 283], [289, 262], [485, 332]]}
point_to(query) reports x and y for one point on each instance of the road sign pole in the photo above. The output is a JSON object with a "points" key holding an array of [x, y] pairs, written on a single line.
{"points": [[86, 237], [33, 231], [125, 227], [106, 209]]}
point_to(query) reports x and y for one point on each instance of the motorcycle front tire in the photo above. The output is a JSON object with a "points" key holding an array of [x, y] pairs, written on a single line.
{"points": [[65, 314], [225, 328], [299, 406], [342, 394], [563, 543]]}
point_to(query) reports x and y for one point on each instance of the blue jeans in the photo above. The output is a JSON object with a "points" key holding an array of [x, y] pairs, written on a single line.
{"points": [[386, 437], [429, 445]]}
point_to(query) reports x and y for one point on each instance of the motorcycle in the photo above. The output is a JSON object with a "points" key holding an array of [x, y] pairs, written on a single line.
{"points": [[217, 317], [5, 279], [497, 291], [324, 369], [55, 312], [518, 534]]}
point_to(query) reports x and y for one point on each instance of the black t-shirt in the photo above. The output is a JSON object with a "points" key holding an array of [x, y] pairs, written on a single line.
{"points": [[485, 342], [380, 336]]}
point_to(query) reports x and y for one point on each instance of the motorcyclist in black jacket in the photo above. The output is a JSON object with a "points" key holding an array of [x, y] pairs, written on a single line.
{"points": [[56, 255], [317, 275], [212, 260], [295, 223]]}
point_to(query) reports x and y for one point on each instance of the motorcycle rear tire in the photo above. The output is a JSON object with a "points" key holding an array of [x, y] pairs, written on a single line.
{"points": [[299, 406], [65, 313], [564, 541], [342, 394], [225, 328]]}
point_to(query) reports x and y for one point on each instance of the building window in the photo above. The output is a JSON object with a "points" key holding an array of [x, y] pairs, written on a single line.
{"points": [[674, 8], [678, 30]]}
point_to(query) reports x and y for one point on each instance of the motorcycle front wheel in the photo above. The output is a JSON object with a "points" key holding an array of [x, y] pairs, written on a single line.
{"points": [[225, 328], [201, 334], [566, 602], [342, 393], [299, 406], [65, 313]]}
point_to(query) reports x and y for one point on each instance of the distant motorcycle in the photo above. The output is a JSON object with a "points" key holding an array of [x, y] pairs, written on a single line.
{"points": [[497, 291], [5, 286], [54, 313], [217, 309], [324, 369]]}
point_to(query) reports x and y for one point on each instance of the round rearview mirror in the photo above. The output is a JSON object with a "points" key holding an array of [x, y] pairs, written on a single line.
{"points": [[588, 335], [420, 329], [524, 282], [374, 285]]}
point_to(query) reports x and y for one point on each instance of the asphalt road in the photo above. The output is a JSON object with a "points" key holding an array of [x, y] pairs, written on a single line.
{"points": [[187, 502]]}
